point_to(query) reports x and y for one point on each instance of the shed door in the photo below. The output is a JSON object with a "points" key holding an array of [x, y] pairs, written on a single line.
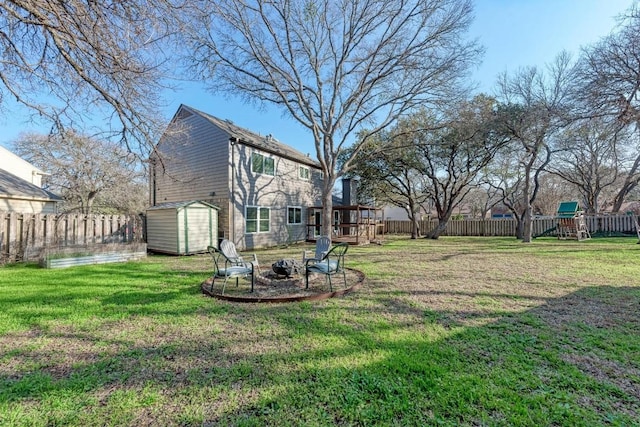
{"points": [[201, 226]]}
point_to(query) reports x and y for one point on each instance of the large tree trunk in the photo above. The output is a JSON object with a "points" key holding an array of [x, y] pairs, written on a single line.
{"points": [[590, 202], [437, 232], [527, 225], [622, 194], [526, 219], [327, 205], [413, 217], [89, 206], [415, 231], [519, 226], [443, 220]]}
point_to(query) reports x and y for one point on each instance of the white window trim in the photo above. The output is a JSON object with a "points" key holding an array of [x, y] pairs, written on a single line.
{"points": [[294, 207], [259, 208], [308, 169], [264, 156]]}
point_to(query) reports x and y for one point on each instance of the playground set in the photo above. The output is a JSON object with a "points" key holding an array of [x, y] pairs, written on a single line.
{"points": [[570, 223]]}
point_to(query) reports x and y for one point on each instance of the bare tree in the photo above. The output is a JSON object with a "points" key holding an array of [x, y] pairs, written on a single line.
{"points": [[91, 175], [553, 191], [504, 176], [590, 158], [75, 61], [336, 67], [481, 198], [533, 109], [609, 72], [608, 85]]}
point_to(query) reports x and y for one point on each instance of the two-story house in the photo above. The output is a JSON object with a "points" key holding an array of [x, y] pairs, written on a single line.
{"points": [[21, 186], [262, 187]]}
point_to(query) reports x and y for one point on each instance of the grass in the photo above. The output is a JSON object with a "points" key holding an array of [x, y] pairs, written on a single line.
{"points": [[459, 331]]}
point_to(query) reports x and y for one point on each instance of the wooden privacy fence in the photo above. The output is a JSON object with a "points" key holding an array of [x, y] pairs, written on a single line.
{"points": [[24, 237], [597, 224]]}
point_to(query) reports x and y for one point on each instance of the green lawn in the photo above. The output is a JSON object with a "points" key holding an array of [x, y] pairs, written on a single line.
{"points": [[459, 331]]}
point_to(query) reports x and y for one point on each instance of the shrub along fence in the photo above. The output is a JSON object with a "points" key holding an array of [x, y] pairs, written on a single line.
{"points": [[597, 225], [27, 237]]}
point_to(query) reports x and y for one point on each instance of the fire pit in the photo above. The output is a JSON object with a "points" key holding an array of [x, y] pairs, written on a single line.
{"points": [[276, 280], [286, 267], [284, 273], [273, 287]]}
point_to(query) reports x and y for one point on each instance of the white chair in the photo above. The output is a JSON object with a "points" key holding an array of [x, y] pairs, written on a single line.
{"points": [[323, 243], [228, 248], [228, 264], [331, 263]]}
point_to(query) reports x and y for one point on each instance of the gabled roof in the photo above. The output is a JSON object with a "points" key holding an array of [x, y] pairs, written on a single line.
{"points": [[247, 137], [13, 163], [13, 186]]}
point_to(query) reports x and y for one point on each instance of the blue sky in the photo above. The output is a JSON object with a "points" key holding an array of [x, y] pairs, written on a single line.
{"points": [[515, 33]]}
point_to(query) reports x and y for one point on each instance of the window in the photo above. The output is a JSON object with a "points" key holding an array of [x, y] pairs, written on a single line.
{"points": [[263, 164], [294, 215], [257, 219], [304, 172]]}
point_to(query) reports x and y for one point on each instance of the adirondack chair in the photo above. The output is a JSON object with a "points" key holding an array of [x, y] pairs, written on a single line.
{"points": [[229, 265], [330, 264]]}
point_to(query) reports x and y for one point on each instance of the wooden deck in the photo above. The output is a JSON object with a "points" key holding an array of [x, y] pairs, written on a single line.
{"points": [[353, 224]]}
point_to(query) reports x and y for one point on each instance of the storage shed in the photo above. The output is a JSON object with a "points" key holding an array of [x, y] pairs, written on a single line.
{"points": [[182, 228]]}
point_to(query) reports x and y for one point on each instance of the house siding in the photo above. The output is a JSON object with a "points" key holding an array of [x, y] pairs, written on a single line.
{"points": [[27, 206], [194, 163], [277, 192], [20, 186]]}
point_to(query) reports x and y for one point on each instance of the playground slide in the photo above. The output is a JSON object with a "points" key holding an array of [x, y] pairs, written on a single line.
{"points": [[546, 232]]}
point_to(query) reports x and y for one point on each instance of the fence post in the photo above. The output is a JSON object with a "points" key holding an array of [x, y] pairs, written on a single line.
{"points": [[13, 235], [4, 236]]}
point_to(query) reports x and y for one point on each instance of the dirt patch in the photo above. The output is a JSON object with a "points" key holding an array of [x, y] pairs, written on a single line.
{"points": [[268, 288]]}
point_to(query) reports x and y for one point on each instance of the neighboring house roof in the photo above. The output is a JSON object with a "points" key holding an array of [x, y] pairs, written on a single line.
{"points": [[16, 187], [19, 167], [267, 143]]}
